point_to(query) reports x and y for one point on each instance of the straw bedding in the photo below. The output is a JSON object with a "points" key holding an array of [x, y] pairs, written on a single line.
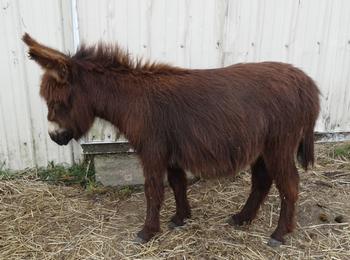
{"points": [[43, 221]]}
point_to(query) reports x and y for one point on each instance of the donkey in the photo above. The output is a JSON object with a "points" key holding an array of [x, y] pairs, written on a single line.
{"points": [[211, 122]]}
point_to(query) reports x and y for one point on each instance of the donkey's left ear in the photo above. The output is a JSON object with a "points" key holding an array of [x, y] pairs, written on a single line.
{"points": [[57, 63]]}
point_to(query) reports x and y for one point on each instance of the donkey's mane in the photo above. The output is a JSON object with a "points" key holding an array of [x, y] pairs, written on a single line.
{"points": [[113, 57]]}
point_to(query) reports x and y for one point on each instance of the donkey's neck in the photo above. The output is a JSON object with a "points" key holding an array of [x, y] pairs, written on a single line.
{"points": [[123, 100]]}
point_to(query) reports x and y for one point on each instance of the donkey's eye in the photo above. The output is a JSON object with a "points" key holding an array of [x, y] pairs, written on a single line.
{"points": [[60, 109]]}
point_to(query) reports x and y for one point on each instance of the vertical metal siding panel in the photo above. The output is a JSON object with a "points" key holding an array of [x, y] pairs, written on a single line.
{"points": [[13, 98], [157, 30], [144, 16], [209, 41], [231, 36], [221, 9], [266, 44], [3, 138], [171, 12], [344, 84], [250, 37], [133, 27], [182, 32], [195, 40], [5, 109], [8, 121]]}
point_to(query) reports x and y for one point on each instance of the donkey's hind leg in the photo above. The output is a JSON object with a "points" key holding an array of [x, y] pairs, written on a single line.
{"points": [[287, 182], [261, 183], [178, 182]]}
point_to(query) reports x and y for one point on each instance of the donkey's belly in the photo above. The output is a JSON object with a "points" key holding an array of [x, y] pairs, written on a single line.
{"points": [[216, 167]]}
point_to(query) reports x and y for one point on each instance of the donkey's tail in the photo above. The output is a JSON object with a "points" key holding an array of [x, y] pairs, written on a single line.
{"points": [[305, 153]]}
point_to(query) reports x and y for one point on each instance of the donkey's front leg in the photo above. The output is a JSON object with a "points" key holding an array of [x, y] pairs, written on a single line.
{"points": [[154, 191]]}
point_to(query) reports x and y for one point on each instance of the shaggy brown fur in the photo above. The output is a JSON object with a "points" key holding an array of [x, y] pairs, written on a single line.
{"points": [[211, 122]]}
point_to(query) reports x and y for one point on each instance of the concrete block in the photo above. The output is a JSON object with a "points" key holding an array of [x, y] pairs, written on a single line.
{"points": [[118, 169]]}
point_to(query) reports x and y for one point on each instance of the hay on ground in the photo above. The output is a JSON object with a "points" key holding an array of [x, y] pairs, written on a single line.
{"points": [[43, 221]]}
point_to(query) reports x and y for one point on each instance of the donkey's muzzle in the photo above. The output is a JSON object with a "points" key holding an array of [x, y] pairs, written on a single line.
{"points": [[61, 137]]}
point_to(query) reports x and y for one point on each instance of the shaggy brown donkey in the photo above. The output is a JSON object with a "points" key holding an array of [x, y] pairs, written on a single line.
{"points": [[211, 122]]}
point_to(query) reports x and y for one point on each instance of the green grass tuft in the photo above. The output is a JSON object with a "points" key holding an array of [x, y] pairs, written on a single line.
{"points": [[82, 174], [342, 151], [6, 174]]}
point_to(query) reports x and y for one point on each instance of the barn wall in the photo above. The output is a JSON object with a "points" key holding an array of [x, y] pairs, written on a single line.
{"points": [[312, 34]]}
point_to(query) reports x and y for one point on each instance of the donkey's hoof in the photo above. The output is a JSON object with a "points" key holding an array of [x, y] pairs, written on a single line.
{"points": [[143, 236], [235, 221], [139, 240], [274, 242], [176, 222], [232, 221], [172, 225]]}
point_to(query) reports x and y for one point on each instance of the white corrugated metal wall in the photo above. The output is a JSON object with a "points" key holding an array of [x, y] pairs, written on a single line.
{"points": [[312, 34]]}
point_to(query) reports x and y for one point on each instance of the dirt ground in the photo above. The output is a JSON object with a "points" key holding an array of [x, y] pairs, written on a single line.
{"points": [[43, 221]]}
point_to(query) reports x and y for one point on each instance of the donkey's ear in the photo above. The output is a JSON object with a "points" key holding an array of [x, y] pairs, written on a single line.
{"points": [[57, 63]]}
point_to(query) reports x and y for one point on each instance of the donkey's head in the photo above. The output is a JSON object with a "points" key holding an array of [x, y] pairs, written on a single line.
{"points": [[70, 113]]}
